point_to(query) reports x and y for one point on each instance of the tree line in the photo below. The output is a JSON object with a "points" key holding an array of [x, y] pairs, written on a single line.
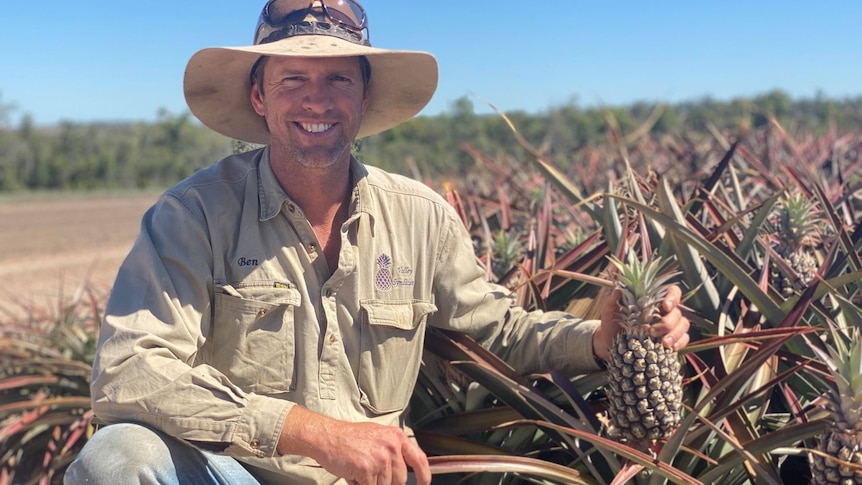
{"points": [[83, 156]]}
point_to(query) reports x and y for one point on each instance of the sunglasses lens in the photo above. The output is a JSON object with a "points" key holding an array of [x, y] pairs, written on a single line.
{"points": [[279, 10], [346, 12], [278, 14]]}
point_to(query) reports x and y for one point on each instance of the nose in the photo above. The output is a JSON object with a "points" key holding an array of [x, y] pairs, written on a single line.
{"points": [[317, 96]]}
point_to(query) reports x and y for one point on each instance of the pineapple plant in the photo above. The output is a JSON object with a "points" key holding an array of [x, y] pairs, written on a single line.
{"points": [[644, 381], [842, 443], [506, 250], [797, 226]]}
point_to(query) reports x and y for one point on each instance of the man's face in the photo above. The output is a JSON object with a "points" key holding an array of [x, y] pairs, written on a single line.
{"points": [[312, 106]]}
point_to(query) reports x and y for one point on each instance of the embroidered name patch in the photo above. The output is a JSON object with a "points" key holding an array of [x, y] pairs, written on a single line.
{"points": [[247, 262]]}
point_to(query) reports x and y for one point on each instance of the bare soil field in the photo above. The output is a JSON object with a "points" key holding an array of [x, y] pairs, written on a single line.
{"points": [[52, 246]]}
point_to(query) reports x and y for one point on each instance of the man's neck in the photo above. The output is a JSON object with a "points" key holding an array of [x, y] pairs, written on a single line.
{"points": [[319, 192], [324, 196]]}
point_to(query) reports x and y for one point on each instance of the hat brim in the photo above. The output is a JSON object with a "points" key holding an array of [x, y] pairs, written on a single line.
{"points": [[217, 84]]}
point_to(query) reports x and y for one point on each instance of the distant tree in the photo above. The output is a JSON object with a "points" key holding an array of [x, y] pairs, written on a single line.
{"points": [[5, 112], [776, 104], [83, 156]]}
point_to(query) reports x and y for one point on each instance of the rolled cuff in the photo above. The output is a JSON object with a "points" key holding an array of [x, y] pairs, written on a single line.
{"points": [[260, 427], [579, 356]]}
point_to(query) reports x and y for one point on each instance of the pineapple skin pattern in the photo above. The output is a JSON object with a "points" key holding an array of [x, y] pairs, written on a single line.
{"points": [[844, 446], [644, 388], [842, 442], [644, 380]]}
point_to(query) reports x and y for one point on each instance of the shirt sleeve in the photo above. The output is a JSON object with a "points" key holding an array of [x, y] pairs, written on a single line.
{"points": [[156, 321], [528, 341]]}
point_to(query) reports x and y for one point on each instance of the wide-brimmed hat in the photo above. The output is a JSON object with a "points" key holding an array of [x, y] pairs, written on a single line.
{"points": [[217, 83]]}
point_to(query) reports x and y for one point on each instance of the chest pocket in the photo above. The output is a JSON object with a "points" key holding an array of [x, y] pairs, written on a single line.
{"points": [[392, 334], [254, 342]]}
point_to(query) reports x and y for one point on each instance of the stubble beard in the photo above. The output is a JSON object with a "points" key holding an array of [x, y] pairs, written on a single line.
{"points": [[322, 156]]}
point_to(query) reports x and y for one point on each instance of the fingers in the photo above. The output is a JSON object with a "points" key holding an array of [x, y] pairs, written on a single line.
{"points": [[416, 459], [673, 330], [672, 299], [673, 327], [680, 343], [385, 477], [604, 335], [366, 453], [394, 464], [610, 306]]}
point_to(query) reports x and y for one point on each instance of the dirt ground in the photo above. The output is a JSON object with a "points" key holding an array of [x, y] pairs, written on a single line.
{"points": [[51, 246]]}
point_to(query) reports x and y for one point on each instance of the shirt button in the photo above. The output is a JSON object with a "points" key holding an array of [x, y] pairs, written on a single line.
{"points": [[332, 339], [291, 208], [255, 443], [261, 312]]}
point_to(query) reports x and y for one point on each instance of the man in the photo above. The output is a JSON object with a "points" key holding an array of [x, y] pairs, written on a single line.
{"points": [[267, 326]]}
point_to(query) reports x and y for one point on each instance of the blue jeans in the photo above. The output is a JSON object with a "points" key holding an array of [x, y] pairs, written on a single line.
{"points": [[131, 454]]}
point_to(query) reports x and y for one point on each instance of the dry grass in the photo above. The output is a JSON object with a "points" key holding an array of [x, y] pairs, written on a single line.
{"points": [[51, 246]]}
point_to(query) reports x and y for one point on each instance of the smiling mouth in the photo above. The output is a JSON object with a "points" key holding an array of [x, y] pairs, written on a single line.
{"points": [[315, 127]]}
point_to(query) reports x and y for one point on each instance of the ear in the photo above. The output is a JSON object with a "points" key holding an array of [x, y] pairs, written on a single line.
{"points": [[257, 100], [365, 100]]}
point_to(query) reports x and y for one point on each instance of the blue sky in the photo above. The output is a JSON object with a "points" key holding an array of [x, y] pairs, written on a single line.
{"points": [[101, 60]]}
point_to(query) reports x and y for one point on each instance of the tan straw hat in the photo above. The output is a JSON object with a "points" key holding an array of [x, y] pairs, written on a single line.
{"points": [[217, 80]]}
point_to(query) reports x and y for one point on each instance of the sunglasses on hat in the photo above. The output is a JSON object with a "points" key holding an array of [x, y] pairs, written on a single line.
{"points": [[279, 14]]}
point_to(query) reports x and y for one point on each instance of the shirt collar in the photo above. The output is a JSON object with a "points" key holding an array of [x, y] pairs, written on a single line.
{"points": [[272, 197], [269, 192]]}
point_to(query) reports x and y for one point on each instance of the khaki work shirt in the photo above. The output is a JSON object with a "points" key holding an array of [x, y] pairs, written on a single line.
{"points": [[224, 314]]}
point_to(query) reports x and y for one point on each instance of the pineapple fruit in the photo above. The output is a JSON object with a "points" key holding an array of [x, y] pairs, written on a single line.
{"points": [[843, 440], [644, 382], [798, 230]]}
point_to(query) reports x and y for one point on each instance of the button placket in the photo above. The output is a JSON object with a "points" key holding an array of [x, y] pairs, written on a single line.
{"points": [[332, 349], [305, 234]]}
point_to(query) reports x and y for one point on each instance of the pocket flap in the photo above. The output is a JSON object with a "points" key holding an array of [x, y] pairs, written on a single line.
{"points": [[267, 296], [405, 315]]}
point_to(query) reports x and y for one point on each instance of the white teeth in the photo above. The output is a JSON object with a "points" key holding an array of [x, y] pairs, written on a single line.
{"points": [[315, 127]]}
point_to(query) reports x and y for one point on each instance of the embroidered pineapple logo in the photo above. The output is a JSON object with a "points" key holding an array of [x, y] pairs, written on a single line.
{"points": [[383, 278]]}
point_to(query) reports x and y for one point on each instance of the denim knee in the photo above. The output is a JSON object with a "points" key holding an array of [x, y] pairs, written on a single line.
{"points": [[123, 453]]}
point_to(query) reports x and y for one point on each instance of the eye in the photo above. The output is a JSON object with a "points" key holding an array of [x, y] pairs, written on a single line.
{"points": [[291, 81]]}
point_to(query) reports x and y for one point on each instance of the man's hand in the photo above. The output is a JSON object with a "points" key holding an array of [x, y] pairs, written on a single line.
{"points": [[361, 453], [673, 327]]}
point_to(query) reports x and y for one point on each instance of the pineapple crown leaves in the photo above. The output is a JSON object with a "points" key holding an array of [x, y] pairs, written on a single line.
{"points": [[847, 367], [797, 221], [642, 285], [506, 246], [845, 364]]}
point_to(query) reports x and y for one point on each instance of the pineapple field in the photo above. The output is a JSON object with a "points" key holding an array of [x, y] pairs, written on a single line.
{"points": [[759, 227]]}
